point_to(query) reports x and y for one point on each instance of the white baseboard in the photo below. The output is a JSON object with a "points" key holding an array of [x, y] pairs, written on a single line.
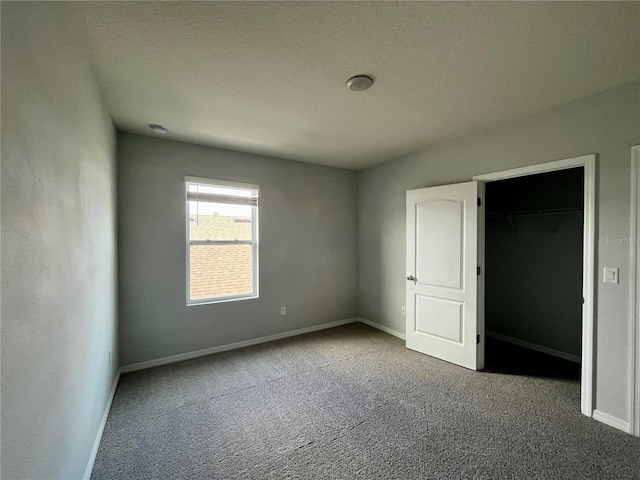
{"points": [[533, 346], [611, 421], [388, 330], [103, 422], [231, 346]]}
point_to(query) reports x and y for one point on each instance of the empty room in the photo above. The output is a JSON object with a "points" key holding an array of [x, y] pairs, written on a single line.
{"points": [[320, 240]]}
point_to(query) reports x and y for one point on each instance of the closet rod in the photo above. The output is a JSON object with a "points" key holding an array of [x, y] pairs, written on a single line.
{"points": [[553, 211]]}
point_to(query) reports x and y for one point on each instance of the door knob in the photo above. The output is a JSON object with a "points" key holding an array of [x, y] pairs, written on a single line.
{"points": [[411, 277]]}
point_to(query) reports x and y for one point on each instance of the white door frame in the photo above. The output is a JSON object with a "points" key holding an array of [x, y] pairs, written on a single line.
{"points": [[634, 295], [588, 162]]}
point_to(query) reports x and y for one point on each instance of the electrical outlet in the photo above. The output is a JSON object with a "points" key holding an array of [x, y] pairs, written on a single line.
{"points": [[110, 356], [283, 310], [403, 311]]}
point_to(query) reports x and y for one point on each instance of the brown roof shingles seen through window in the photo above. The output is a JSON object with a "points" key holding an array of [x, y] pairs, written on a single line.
{"points": [[219, 270]]}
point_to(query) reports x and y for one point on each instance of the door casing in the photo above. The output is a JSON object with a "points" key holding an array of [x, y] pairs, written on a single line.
{"points": [[588, 162], [634, 295]]}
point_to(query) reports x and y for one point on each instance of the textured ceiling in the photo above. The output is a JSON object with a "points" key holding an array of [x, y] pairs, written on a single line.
{"points": [[269, 77]]}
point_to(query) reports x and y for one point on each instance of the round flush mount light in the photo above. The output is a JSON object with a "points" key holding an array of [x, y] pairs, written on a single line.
{"points": [[359, 83], [157, 129]]}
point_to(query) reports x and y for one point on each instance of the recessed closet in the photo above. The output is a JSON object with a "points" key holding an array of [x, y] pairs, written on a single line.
{"points": [[534, 260]]}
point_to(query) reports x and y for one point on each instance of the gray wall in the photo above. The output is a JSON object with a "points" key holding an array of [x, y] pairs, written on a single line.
{"points": [[58, 248], [308, 248], [607, 124], [533, 269]]}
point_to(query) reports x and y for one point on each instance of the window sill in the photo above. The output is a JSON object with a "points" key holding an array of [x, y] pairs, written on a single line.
{"points": [[210, 301]]}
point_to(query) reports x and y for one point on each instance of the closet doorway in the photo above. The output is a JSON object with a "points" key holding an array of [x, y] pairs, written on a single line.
{"points": [[539, 271]]}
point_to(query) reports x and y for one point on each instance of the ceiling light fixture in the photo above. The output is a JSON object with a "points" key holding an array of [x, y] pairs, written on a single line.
{"points": [[359, 83], [158, 129]]}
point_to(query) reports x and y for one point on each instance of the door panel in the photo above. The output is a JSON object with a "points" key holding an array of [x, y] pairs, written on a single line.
{"points": [[443, 314], [439, 318], [438, 252]]}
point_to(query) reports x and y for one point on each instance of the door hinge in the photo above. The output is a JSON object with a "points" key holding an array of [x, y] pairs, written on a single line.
{"points": [[478, 339], [478, 270], [479, 202]]}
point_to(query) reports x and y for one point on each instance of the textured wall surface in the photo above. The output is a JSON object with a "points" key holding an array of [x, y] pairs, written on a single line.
{"points": [[58, 248], [607, 124], [308, 248]]}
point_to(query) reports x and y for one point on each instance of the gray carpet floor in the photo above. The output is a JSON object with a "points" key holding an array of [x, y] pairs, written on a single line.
{"points": [[353, 403]]}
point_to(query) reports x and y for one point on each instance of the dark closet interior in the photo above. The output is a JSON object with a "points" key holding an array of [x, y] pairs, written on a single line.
{"points": [[533, 273]]}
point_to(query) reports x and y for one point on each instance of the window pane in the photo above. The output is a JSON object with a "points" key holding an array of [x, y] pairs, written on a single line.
{"points": [[220, 271], [218, 221]]}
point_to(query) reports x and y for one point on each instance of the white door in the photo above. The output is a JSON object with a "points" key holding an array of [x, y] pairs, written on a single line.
{"points": [[444, 293]]}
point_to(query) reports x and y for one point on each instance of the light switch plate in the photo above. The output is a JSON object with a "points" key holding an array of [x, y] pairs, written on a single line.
{"points": [[610, 275]]}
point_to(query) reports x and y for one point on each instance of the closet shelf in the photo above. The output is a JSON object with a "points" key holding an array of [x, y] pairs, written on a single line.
{"points": [[551, 211], [531, 213]]}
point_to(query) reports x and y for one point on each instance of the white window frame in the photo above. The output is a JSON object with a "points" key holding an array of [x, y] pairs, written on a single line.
{"points": [[253, 242]]}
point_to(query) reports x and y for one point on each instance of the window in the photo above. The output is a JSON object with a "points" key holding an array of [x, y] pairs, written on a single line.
{"points": [[222, 240]]}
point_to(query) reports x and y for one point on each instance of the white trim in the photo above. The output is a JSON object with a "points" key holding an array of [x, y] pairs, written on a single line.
{"points": [[231, 346], [221, 183], [388, 330], [534, 346], [480, 303], [588, 162], [611, 421], [213, 301], [103, 423], [538, 168], [634, 295]]}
